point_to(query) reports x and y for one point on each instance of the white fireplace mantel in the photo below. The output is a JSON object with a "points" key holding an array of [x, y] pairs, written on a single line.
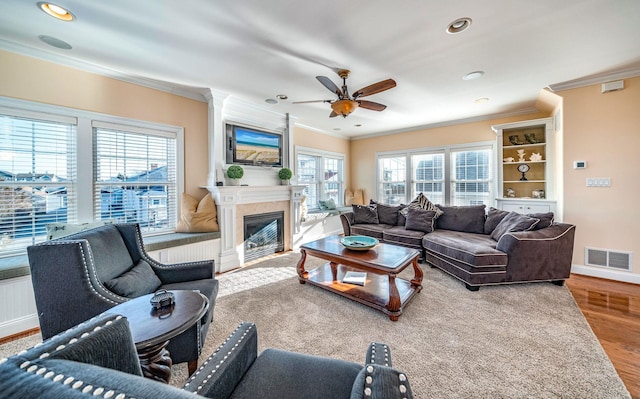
{"points": [[229, 197]]}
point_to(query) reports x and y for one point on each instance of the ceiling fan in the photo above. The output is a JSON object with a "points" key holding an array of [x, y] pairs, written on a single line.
{"points": [[346, 104]]}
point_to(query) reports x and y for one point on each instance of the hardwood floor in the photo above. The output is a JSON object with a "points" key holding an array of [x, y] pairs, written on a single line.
{"points": [[613, 311]]}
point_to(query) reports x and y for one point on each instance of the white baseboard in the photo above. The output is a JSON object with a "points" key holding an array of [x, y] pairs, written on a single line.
{"points": [[19, 325], [617, 275]]}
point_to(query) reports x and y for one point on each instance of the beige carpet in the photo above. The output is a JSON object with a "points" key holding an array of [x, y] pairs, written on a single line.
{"points": [[518, 341]]}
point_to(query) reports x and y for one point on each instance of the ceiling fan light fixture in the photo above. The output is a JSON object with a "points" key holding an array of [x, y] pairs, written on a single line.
{"points": [[458, 25], [56, 11], [344, 107]]}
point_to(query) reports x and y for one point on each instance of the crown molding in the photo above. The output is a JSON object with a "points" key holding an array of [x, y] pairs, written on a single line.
{"points": [[596, 79], [193, 93], [522, 111], [322, 131]]}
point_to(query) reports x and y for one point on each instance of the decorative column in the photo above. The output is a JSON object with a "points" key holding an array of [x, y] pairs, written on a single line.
{"points": [[216, 136]]}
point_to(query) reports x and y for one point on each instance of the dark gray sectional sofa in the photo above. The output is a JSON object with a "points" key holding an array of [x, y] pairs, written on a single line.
{"points": [[477, 247]]}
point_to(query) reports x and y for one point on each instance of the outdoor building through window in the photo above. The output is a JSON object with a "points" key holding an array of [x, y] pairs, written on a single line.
{"points": [[70, 166], [322, 174], [456, 175]]}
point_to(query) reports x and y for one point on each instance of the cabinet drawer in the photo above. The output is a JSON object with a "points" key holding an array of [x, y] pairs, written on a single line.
{"points": [[526, 208]]}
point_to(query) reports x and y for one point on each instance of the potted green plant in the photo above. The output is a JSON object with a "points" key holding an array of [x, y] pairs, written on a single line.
{"points": [[235, 173], [285, 175]]}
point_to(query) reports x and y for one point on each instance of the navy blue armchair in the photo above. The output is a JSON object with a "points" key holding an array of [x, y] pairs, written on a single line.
{"points": [[97, 358], [82, 275]]}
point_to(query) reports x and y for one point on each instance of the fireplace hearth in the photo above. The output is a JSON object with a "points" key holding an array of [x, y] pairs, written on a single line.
{"points": [[263, 235]]}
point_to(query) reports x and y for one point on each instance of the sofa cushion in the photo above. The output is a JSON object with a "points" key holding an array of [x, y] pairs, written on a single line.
{"points": [[420, 220], [369, 229], [421, 201], [138, 281], [388, 214], [365, 214], [474, 250], [494, 216], [402, 219], [469, 219], [546, 219], [401, 236], [513, 222], [282, 374]]}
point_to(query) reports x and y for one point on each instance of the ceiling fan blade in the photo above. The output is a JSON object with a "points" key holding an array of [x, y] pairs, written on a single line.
{"points": [[311, 101], [328, 83], [371, 105], [333, 114], [375, 88]]}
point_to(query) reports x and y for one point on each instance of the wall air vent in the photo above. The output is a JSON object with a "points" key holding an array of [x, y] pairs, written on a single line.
{"points": [[606, 258]]}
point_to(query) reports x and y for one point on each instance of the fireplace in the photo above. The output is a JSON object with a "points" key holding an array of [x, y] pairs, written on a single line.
{"points": [[263, 234]]}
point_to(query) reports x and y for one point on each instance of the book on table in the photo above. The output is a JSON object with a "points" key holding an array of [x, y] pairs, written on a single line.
{"points": [[352, 277]]}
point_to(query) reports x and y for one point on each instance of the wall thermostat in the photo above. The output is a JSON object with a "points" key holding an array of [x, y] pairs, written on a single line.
{"points": [[579, 164]]}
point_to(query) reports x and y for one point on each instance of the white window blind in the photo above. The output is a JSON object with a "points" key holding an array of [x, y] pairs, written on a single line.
{"points": [[135, 177], [37, 178], [322, 174]]}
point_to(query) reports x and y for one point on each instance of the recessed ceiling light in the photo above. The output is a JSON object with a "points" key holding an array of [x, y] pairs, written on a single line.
{"points": [[282, 97], [271, 101], [337, 129], [56, 11], [358, 125], [482, 100], [458, 25], [473, 75], [52, 41]]}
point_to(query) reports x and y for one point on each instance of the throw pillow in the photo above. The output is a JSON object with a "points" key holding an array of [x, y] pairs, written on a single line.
{"points": [[358, 197], [468, 219], [138, 281], [546, 219], [402, 219], [327, 205], [197, 216], [388, 214], [421, 201], [420, 220], [365, 214], [348, 197], [513, 222], [494, 216]]}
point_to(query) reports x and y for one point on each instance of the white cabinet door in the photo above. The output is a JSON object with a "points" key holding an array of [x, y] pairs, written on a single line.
{"points": [[527, 208]]}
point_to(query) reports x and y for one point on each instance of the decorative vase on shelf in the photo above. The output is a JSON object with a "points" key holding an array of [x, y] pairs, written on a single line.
{"points": [[234, 174], [285, 175]]}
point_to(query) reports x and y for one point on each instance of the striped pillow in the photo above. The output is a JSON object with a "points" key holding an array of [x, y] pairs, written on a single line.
{"points": [[421, 201]]}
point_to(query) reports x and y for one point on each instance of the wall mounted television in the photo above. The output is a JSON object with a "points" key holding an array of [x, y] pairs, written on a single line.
{"points": [[249, 146]]}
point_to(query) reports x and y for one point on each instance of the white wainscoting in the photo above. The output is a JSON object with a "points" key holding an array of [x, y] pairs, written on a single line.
{"points": [[17, 306], [18, 311]]}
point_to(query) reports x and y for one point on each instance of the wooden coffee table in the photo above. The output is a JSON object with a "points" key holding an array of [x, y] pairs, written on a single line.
{"points": [[151, 329], [383, 290]]}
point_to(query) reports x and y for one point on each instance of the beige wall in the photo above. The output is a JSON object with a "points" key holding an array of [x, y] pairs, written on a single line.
{"points": [[363, 151], [604, 130], [32, 79], [308, 138]]}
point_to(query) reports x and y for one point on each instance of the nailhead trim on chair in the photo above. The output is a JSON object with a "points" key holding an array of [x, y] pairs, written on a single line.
{"points": [[222, 360], [368, 381], [373, 353], [68, 380]]}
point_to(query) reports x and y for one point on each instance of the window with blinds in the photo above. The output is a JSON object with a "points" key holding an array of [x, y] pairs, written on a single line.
{"points": [[322, 174], [135, 176], [37, 178]]}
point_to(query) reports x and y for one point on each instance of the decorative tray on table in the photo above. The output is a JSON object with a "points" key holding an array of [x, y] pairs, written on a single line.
{"points": [[359, 243]]}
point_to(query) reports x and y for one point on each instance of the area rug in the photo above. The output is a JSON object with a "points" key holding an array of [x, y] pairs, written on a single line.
{"points": [[515, 341]]}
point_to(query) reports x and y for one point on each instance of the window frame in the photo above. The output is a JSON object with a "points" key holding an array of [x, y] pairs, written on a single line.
{"points": [[320, 182], [447, 151], [84, 121]]}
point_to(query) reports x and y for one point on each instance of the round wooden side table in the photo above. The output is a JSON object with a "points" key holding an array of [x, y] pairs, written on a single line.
{"points": [[152, 329]]}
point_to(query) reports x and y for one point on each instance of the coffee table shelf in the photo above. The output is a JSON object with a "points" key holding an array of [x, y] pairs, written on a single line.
{"points": [[383, 290]]}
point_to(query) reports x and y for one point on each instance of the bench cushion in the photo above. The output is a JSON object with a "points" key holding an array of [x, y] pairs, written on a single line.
{"points": [[472, 250], [371, 230], [401, 236]]}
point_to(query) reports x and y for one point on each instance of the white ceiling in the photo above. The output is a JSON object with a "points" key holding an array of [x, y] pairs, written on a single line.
{"points": [[256, 49]]}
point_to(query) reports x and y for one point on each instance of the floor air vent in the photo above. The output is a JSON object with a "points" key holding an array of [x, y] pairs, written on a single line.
{"points": [[605, 258]]}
